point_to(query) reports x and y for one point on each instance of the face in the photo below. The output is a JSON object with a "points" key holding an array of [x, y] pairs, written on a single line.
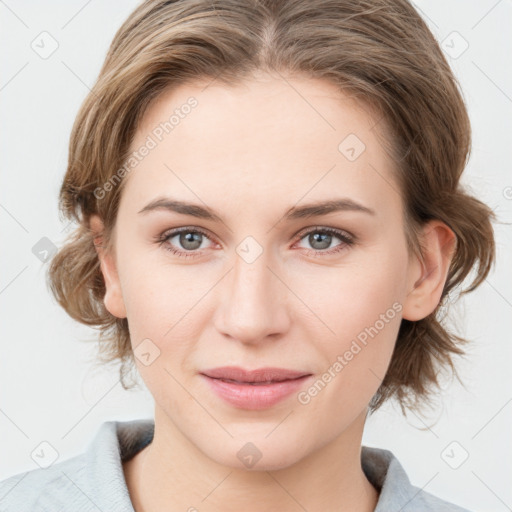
{"points": [[266, 279]]}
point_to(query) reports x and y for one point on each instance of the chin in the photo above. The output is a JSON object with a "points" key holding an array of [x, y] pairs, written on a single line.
{"points": [[255, 455]]}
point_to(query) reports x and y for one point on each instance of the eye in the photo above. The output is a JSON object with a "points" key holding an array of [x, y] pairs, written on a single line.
{"points": [[188, 241], [321, 238]]}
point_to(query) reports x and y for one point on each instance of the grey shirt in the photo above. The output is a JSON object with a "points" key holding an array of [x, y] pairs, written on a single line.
{"points": [[94, 480]]}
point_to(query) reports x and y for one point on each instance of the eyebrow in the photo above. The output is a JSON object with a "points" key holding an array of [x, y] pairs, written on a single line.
{"points": [[296, 212]]}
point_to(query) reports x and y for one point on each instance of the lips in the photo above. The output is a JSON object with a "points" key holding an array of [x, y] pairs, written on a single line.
{"points": [[254, 389], [259, 376]]}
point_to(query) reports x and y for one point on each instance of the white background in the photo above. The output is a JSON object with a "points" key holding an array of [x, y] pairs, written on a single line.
{"points": [[50, 389]]}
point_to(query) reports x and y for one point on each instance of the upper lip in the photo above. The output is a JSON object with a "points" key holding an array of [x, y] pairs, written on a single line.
{"points": [[238, 374]]}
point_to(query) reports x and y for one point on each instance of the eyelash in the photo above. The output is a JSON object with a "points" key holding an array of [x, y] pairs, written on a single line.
{"points": [[346, 239]]}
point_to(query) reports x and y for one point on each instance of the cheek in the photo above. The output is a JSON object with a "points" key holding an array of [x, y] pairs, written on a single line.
{"points": [[161, 306], [164, 315], [348, 299], [361, 308], [164, 304], [154, 293], [355, 359]]}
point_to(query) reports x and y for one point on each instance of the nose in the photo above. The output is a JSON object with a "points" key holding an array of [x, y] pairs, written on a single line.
{"points": [[253, 301]]}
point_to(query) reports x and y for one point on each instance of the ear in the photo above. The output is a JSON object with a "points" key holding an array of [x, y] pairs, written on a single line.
{"points": [[427, 276], [113, 299]]}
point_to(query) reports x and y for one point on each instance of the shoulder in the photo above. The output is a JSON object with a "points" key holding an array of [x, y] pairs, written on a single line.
{"points": [[51, 488], [93, 480], [386, 473]]}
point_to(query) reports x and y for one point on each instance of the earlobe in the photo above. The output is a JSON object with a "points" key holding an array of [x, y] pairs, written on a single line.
{"points": [[427, 276], [113, 298]]}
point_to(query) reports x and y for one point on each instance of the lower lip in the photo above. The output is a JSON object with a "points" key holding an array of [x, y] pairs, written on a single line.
{"points": [[255, 397]]}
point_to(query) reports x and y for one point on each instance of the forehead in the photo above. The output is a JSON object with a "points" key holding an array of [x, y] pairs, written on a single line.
{"points": [[279, 138]]}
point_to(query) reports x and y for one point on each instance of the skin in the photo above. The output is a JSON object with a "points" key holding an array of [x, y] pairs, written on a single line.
{"points": [[250, 153]]}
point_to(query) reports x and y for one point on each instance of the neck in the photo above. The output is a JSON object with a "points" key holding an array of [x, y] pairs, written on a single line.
{"points": [[172, 474]]}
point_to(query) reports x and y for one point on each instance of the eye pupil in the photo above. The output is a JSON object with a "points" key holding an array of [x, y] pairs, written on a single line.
{"points": [[188, 240], [324, 238]]}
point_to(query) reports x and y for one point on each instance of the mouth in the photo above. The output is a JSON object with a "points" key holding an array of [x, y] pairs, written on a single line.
{"points": [[254, 389], [258, 377], [255, 395], [262, 383]]}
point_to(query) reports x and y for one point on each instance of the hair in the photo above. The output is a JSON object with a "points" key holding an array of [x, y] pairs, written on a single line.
{"points": [[379, 51]]}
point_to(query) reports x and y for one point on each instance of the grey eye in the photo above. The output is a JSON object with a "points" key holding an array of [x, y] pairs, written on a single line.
{"points": [[190, 240], [320, 240]]}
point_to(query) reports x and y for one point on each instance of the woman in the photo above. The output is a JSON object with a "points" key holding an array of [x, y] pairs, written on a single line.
{"points": [[269, 219]]}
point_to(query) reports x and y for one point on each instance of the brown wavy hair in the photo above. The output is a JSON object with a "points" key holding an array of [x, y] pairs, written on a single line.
{"points": [[379, 51]]}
